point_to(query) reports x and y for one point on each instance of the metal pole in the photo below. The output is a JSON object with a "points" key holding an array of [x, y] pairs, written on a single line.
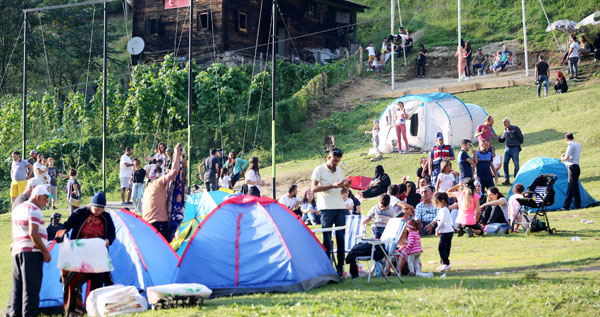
{"points": [[24, 84], [525, 38], [392, 44], [458, 48], [273, 86], [402, 24], [190, 95], [104, 83]]}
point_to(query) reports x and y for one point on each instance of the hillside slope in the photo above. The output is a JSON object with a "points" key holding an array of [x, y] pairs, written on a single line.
{"points": [[483, 21]]}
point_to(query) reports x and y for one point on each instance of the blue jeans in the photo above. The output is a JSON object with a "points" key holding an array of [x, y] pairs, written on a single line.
{"points": [[478, 66], [573, 69], [542, 79], [138, 193], [311, 216], [511, 153]]}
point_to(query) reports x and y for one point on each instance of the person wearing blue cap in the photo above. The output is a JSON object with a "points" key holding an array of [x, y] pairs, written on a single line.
{"points": [[86, 223], [439, 152]]}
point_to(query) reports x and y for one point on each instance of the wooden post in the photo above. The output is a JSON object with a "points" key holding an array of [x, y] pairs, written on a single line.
{"points": [[348, 59], [360, 59], [319, 57]]}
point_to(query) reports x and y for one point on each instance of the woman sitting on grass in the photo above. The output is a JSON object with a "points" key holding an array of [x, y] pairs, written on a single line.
{"points": [[379, 184], [495, 210], [468, 208]]}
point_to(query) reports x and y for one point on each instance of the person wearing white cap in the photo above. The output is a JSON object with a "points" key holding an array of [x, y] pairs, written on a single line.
{"points": [[28, 248]]}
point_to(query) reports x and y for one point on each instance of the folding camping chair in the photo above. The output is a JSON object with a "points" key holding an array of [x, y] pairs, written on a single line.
{"points": [[355, 230], [328, 145], [389, 239]]}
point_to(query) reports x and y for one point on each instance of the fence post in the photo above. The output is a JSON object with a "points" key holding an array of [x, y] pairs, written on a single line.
{"points": [[348, 61], [360, 59], [319, 57]]}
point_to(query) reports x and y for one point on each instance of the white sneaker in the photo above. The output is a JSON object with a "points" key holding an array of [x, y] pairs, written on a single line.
{"points": [[445, 268]]}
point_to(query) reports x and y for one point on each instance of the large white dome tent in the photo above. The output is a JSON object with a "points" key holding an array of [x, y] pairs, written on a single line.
{"points": [[429, 114]]}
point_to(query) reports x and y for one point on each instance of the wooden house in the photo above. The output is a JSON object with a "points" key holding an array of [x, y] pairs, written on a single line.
{"points": [[236, 26]]}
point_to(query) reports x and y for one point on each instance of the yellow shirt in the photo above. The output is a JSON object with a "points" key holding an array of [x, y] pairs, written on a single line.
{"points": [[329, 199]]}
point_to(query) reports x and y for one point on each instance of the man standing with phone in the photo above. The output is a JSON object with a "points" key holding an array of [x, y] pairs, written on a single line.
{"points": [[327, 183]]}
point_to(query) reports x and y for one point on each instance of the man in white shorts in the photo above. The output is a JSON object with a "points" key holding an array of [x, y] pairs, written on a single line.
{"points": [[125, 174]]}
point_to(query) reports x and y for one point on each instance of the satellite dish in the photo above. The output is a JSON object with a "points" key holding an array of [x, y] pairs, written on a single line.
{"points": [[135, 45]]}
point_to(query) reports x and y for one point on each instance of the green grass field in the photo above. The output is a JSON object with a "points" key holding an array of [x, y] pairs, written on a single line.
{"points": [[492, 275]]}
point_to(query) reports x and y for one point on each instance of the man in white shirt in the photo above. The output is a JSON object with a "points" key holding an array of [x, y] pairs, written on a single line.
{"points": [[125, 174], [571, 160], [292, 201], [327, 183]]}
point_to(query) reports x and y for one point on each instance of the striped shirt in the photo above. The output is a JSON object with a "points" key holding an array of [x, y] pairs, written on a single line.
{"points": [[413, 244], [22, 215]]}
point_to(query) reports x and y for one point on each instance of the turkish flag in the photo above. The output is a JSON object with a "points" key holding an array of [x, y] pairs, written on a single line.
{"points": [[172, 4]]}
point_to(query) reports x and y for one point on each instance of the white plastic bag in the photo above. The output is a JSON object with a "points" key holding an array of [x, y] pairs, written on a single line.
{"points": [[84, 255], [115, 300], [156, 293]]}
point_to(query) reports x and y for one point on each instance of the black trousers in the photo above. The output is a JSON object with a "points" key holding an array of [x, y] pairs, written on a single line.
{"points": [[163, 228], [492, 214], [444, 247], [573, 187], [420, 68], [329, 217], [234, 179], [27, 282]]}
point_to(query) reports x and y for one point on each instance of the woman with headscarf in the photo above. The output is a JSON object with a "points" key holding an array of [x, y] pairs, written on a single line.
{"points": [[379, 183], [412, 198], [86, 223], [561, 83]]}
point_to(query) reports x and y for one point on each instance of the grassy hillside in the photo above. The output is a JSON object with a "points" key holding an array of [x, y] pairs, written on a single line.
{"points": [[483, 21], [495, 275]]}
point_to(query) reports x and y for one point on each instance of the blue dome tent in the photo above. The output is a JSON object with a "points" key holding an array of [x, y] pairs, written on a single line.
{"points": [[197, 206], [250, 245], [546, 165], [140, 255]]}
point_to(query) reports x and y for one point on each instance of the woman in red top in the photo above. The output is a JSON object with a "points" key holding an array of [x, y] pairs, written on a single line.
{"points": [[86, 223]]}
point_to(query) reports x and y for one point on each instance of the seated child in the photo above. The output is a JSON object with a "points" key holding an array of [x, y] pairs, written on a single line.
{"points": [[381, 214], [348, 202]]}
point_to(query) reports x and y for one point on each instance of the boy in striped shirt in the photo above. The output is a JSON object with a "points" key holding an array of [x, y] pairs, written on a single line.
{"points": [[29, 239]]}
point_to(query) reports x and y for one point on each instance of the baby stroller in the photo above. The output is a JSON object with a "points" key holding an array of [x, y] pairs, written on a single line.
{"points": [[538, 196]]}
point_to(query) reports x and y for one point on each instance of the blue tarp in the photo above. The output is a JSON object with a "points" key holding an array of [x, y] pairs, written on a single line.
{"points": [[140, 255], [252, 244], [546, 165]]}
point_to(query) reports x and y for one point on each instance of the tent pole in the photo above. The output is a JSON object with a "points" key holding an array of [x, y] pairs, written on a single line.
{"points": [[458, 50], [24, 84], [190, 96], [104, 82], [525, 38], [392, 44], [546, 15], [273, 101], [402, 24]]}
